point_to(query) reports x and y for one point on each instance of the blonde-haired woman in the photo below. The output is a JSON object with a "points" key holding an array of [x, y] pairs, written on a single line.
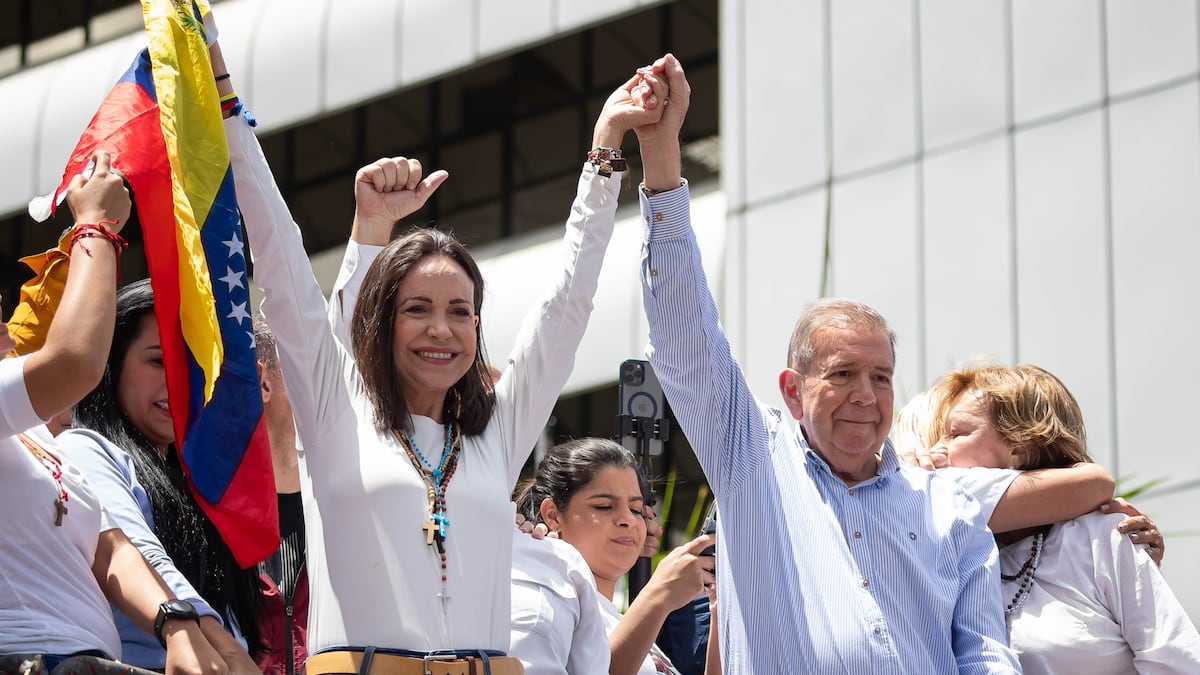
{"points": [[1079, 597]]}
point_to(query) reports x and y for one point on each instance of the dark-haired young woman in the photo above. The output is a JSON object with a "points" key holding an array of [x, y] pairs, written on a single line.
{"points": [[123, 440], [589, 492]]}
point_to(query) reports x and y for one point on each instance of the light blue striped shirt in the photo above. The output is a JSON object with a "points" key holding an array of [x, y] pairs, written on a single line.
{"points": [[895, 575]]}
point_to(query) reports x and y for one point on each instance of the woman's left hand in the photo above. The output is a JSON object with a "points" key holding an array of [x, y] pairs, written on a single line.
{"points": [[1140, 528]]}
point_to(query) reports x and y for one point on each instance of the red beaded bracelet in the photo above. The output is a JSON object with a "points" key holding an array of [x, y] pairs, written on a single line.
{"points": [[94, 230]]}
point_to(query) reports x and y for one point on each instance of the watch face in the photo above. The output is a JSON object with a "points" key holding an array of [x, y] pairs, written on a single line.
{"points": [[179, 609]]}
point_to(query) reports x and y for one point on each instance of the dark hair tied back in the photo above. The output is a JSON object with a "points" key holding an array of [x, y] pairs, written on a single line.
{"points": [[567, 468]]}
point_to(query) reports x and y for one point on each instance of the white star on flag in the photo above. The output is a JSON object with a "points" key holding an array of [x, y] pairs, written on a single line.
{"points": [[239, 313], [253, 342], [232, 278], [235, 246]]}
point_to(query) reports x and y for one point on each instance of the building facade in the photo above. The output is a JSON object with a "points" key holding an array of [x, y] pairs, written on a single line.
{"points": [[1016, 178]]}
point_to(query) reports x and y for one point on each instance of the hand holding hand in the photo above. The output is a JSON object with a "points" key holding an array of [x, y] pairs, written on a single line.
{"points": [[386, 191], [676, 101], [633, 104], [101, 198], [1140, 528]]}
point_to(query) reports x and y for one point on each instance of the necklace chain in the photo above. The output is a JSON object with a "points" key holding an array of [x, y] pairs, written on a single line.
{"points": [[1025, 575], [436, 479], [55, 470]]}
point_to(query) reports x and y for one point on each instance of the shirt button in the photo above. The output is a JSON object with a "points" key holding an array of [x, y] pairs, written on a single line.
{"points": [[653, 271], [658, 217], [851, 491], [866, 583], [858, 535], [877, 631]]}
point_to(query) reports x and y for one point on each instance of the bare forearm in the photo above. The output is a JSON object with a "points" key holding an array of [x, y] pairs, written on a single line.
{"points": [[661, 162], [633, 637], [1047, 496], [128, 581]]}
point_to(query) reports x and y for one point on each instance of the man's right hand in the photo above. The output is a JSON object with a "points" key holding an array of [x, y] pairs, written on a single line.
{"points": [[101, 198], [386, 191]]}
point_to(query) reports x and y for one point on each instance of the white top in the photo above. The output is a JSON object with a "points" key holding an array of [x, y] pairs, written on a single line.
{"points": [[557, 627], [985, 484], [50, 602], [111, 474], [656, 661], [373, 580], [1099, 605]]}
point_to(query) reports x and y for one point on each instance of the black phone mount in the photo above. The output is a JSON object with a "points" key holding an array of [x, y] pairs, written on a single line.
{"points": [[643, 429]]}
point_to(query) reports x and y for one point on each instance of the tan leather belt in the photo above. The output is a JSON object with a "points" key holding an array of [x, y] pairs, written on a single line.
{"points": [[350, 663]]}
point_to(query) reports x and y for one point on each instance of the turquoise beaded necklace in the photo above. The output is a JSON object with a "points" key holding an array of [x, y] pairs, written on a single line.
{"points": [[436, 479]]}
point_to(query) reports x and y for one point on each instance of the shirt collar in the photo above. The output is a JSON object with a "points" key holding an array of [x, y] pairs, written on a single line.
{"points": [[889, 463]]}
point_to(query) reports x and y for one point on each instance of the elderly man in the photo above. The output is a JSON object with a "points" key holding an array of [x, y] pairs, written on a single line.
{"points": [[833, 558]]}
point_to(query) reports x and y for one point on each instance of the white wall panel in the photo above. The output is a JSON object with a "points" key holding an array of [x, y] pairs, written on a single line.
{"points": [[18, 186], [962, 69], [784, 249], [1056, 56], [872, 83], [508, 25], [968, 260], [787, 146], [1062, 273], [875, 259], [287, 32], [1156, 173], [436, 37], [368, 66], [733, 102], [1149, 42], [77, 87]]}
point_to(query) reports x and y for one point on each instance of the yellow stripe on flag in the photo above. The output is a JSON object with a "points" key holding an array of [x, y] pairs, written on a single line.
{"points": [[190, 114]]}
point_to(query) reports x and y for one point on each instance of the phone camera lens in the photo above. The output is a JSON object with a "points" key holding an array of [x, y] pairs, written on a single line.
{"points": [[633, 374]]}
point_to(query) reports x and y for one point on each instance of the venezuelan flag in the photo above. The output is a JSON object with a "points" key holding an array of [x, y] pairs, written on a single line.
{"points": [[162, 125]]}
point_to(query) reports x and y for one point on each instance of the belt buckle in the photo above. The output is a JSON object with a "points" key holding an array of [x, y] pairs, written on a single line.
{"points": [[435, 657]]}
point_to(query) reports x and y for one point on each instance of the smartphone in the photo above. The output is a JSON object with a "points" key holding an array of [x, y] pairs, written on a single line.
{"points": [[641, 406], [710, 527]]}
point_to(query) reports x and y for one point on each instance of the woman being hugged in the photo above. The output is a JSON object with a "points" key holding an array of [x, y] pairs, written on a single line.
{"points": [[1079, 596], [409, 451]]}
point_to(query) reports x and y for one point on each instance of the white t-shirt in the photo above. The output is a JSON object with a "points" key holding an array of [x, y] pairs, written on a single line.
{"points": [[50, 602], [373, 580], [557, 628], [656, 661], [1098, 605]]}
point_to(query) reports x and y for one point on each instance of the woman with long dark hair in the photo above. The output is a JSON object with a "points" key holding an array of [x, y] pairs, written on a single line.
{"points": [[409, 450], [62, 558], [123, 439]]}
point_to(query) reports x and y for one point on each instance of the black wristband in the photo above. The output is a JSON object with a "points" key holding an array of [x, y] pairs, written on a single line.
{"points": [[173, 609]]}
